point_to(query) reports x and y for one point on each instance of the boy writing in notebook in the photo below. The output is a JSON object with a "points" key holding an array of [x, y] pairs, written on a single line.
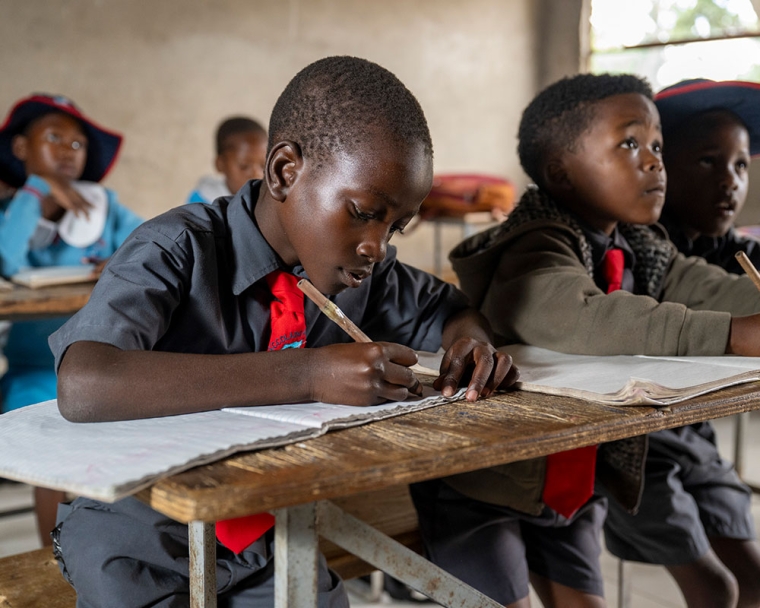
{"points": [[199, 310], [54, 156], [241, 151], [581, 267]]}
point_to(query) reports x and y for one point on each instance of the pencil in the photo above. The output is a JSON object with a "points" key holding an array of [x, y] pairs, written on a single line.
{"points": [[748, 268], [332, 312]]}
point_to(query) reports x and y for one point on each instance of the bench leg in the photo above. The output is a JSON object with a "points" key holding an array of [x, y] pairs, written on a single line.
{"points": [[295, 557], [202, 539], [392, 557], [624, 585]]}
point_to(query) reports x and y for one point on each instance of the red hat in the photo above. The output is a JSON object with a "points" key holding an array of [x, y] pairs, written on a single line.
{"points": [[102, 145], [681, 101]]}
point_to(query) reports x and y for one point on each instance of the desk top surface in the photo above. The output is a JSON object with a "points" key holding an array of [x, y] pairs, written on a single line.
{"points": [[60, 300], [444, 440]]}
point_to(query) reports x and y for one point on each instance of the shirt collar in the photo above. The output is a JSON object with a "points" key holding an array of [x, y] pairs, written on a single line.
{"points": [[252, 257]]}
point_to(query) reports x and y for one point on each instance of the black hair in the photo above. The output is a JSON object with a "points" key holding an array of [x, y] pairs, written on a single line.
{"points": [[559, 114], [233, 126], [335, 103]]}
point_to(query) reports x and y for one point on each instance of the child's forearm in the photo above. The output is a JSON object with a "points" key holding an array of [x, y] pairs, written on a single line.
{"points": [[99, 382]]}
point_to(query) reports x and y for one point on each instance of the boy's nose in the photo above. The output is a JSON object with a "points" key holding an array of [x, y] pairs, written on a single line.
{"points": [[374, 245], [653, 162]]}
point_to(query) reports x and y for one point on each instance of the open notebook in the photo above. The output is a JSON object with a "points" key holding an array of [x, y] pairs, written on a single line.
{"points": [[110, 460], [54, 275], [629, 380]]}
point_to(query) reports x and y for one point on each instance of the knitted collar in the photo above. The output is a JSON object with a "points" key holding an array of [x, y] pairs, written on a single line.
{"points": [[652, 249]]}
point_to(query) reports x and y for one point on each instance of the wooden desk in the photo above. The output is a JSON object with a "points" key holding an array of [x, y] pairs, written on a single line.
{"points": [[297, 481], [23, 303]]}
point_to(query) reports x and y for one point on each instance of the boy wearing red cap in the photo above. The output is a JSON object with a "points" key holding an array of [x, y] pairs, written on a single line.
{"points": [[59, 216]]}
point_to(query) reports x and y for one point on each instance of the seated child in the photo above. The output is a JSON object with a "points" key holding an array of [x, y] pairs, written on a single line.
{"points": [[185, 312], [54, 155], [711, 129], [581, 267], [241, 151]]}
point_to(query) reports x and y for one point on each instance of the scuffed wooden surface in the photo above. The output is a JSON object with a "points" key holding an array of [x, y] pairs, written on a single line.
{"points": [[25, 303], [444, 440]]}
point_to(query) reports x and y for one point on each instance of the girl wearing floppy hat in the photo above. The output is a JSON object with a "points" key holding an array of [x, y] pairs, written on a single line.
{"points": [[59, 216]]}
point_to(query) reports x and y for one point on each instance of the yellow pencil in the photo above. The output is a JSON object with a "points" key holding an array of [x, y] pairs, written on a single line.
{"points": [[332, 312], [748, 268]]}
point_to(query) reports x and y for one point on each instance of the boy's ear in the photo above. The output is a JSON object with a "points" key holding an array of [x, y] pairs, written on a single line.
{"points": [[20, 147], [556, 177], [284, 165], [219, 164]]}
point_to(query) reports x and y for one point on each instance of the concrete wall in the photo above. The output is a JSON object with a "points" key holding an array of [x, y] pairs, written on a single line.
{"points": [[165, 72]]}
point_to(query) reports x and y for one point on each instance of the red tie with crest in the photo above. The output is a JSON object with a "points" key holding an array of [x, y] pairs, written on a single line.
{"points": [[569, 480], [288, 331]]}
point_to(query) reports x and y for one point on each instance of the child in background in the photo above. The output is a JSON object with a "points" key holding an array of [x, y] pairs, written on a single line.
{"points": [[581, 267], [711, 129], [54, 156], [241, 151], [185, 312]]}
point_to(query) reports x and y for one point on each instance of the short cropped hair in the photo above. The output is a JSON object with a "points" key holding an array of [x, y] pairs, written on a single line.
{"points": [[563, 111], [335, 103], [233, 126]]}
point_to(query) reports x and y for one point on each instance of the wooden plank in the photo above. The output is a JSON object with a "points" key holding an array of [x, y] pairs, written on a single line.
{"points": [[32, 579], [24, 303], [448, 439]]}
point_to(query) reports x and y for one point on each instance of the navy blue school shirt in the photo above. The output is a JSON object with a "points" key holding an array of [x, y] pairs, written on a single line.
{"points": [[192, 280]]}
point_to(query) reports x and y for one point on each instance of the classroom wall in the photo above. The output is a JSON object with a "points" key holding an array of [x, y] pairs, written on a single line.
{"points": [[165, 72]]}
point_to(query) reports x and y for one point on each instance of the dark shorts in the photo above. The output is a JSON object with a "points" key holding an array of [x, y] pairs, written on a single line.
{"points": [[126, 555], [493, 548], [690, 494]]}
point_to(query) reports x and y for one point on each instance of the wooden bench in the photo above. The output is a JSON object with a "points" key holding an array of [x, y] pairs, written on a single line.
{"points": [[31, 580]]}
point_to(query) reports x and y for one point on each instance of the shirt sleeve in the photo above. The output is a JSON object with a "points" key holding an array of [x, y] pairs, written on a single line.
{"points": [[541, 294], [18, 224], [132, 302], [409, 306]]}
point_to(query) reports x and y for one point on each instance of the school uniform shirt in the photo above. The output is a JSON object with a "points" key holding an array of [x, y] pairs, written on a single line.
{"points": [[533, 278], [27, 240], [192, 280], [208, 189], [718, 250]]}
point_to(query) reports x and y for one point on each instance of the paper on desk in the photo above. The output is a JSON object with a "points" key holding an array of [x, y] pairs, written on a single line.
{"points": [[628, 380], [110, 460]]}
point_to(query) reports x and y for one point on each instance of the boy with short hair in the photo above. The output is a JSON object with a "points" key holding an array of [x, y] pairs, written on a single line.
{"points": [[183, 317], [54, 156], [581, 267], [241, 152], [711, 130]]}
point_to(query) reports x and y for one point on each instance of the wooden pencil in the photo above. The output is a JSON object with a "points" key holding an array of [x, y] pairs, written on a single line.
{"points": [[748, 268], [332, 312]]}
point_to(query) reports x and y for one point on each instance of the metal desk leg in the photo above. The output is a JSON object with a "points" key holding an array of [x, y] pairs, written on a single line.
{"points": [[437, 249], [741, 422], [202, 539], [295, 557], [392, 557], [624, 585]]}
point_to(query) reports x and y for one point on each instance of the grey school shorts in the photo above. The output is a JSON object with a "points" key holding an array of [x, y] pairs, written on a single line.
{"points": [[493, 548], [690, 494], [126, 555]]}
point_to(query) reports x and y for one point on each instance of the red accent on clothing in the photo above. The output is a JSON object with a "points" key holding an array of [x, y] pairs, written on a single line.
{"points": [[569, 480], [288, 331]]}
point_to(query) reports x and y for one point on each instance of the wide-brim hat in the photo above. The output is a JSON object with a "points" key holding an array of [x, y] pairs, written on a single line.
{"points": [[682, 101], [102, 144]]}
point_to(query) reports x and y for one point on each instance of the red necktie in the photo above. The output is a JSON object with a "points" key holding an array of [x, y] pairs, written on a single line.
{"points": [[288, 331], [569, 480]]}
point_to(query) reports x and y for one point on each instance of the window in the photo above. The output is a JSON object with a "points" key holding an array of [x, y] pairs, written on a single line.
{"points": [[670, 40]]}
